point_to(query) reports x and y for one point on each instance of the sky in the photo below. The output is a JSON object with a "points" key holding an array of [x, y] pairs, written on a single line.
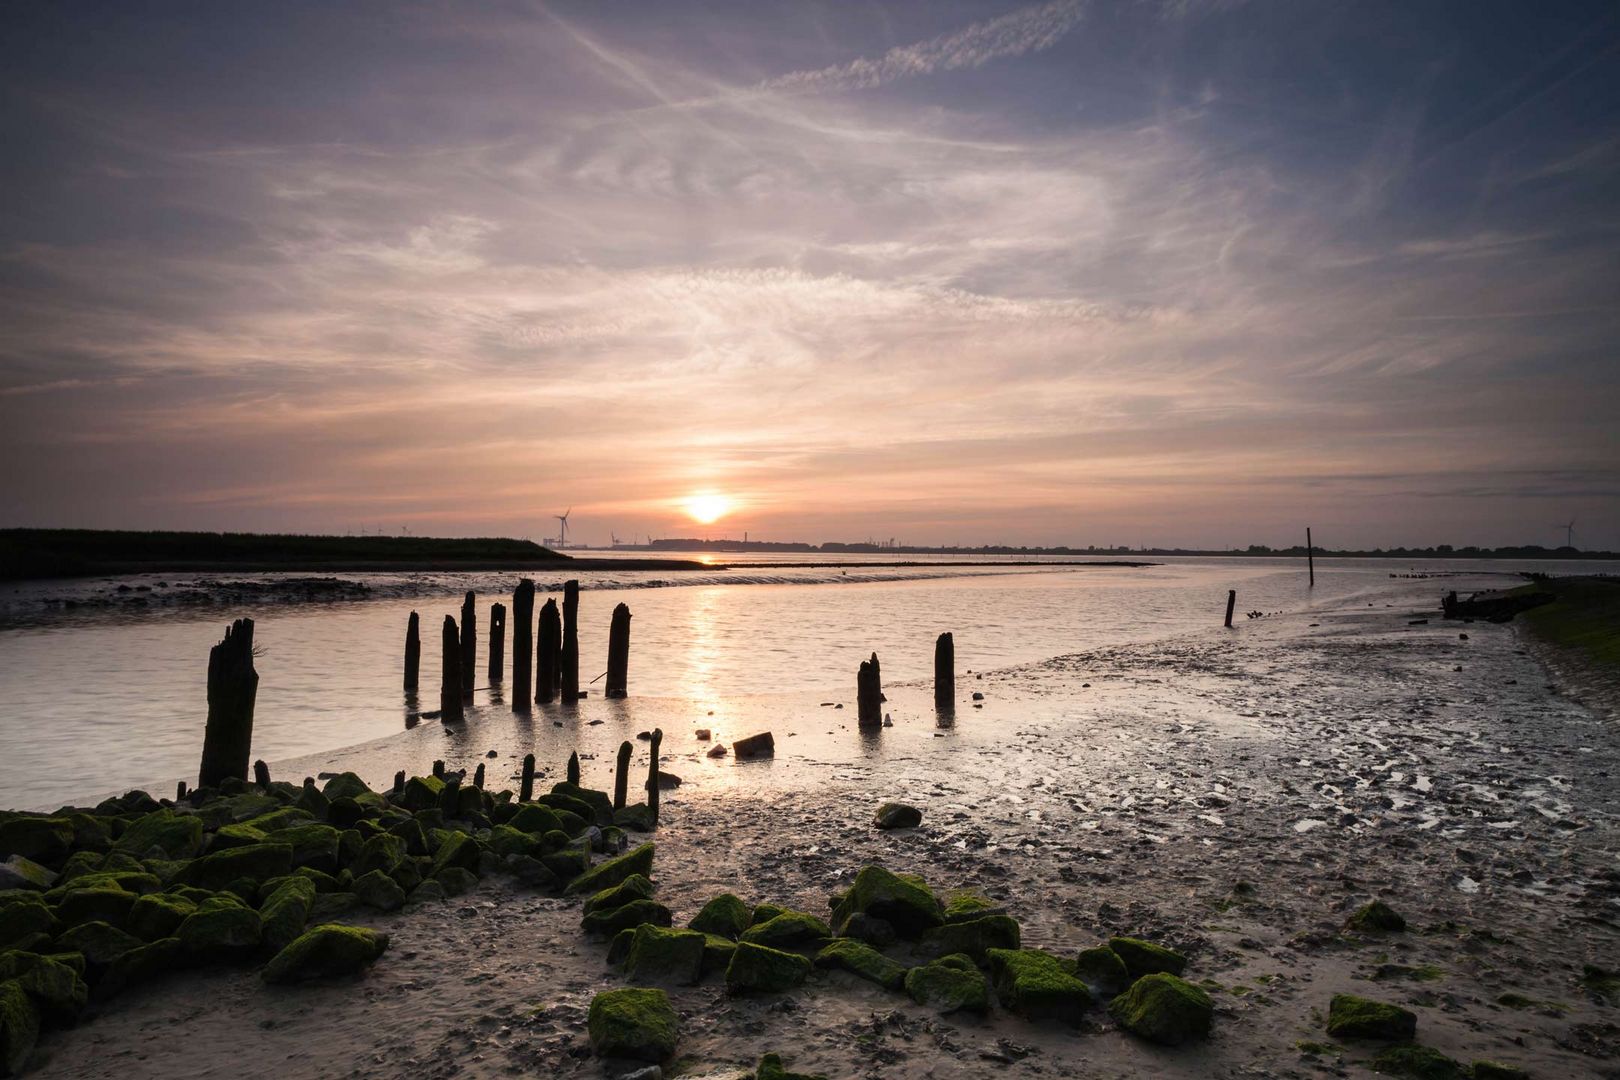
{"points": [[1169, 273]]}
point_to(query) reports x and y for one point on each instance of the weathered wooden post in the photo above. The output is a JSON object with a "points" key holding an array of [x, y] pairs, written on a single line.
{"points": [[413, 652], [233, 687], [180, 792], [1310, 555], [945, 673], [450, 797], [399, 781], [450, 676], [497, 642], [652, 775], [621, 776], [469, 644], [1231, 602], [548, 653], [526, 790], [570, 641], [618, 669], [522, 644], [573, 768], [478, 776], [261, 775], [438, 770], [869, 694]]}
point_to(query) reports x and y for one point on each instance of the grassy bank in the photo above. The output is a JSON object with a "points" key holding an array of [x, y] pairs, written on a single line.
{"points": [[44, 553], [1584, 618]]}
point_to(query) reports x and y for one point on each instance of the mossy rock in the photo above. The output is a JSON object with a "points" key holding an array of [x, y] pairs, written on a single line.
{"points": [[1038, 986], [771, 1068], [311, 800], [287, 817], [873, 931], [314, 845], [974, 938], [1376, 917], [243, 806], [717, 953], [220, 929], [25, 918], [965, 905], [411, 834], [429, 891], [636, 1023], [599, 802], [78, 864], [858, 958], [904, 903], [567, 804], [141, 965], [349, 786], [285, 912], [332, 905], [376, 889], [101, 943], [1145, 958], [637, 817], [638, 860], [789, 930], [136, 881], [19, 1027], [239, 835], [179, 836], [57, 990], [157, 915], [421, 793], [1492, 1070], [18, 872], [659, 955], [1418, 1063], [505, 840], [608, 922], [106, 905], [760, 969], [1164, 1009], [92, 832], [534, 819], [42, 839], [949, 984], [457, 850], [893, 815], [406, 874], [382, 852], [725, 915], [567, 864], [325, 952], [634, 887], [532, 872], [456, 881], [764, 913], [1101, 969], [619, 948], [1352, 1017], [257, 862]]}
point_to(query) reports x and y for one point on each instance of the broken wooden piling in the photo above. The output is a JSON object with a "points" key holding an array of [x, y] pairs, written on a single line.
{"points": [[478, 777], [618, 669], [180, 792], [413, 652], [526, 790], [522, 644], [438, 770], [548, 653], [233, 687], [450, 674], [469, 644], [652, 776], [621, 776], [497, 643], [1231, 602], [261, 775], [573, 768], [1310, 556], [945, 673], [399, 781], [869, 694], [570, 641]]}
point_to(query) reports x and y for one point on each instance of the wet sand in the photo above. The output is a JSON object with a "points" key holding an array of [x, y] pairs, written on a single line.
{"points": [[1235, 794]]}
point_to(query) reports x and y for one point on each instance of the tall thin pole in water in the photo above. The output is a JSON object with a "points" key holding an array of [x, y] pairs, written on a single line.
{"points": [[548, 652], [450, 673], [497, 642], [522, 643], [1310, 555], [945, 673], [1231, 602], [618, 668], [413, 652], [570, 642], [469, 643], [233, 686]]}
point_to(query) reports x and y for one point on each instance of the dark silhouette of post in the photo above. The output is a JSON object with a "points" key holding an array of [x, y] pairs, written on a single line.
{"points": [[399, 781], [261, 775], [233, 687], [469, 644], [570, 641], [478, 777], [621, 777], [1310, 555], [1231, 602], [526, 790], [413, 652], [869, 694], [573, 768], [497, 642], [652, 775], [945, 673], [522, 644], [450, 676], [180, 792], [438, 770], [618, 669], [548, 653]]}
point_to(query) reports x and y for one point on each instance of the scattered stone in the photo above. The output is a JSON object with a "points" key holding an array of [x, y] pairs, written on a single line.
{"points": [[658, 955], [762, 745], [965, 905], [284, 913], [634, 887], [759, 969], [159, 915], [905, 904], [725, 915], [1418, 1063], [897, 816], [1035, 985], [974, 938], [614, 871], [949, 984], [718, 750], [607, 923], [861, 959], [1352, 1017], [788, 930], [1164, 1009], [220, 929], [1102, 969], [376, 889], [633, 1023], [327, 951], [1145, 958], [19, 1027], [1376, 917], [21, 872]]}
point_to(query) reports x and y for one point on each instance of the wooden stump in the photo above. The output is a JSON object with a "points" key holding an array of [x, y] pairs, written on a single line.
{"points": [[1231, 602], [413, 652], [522, 644], [570, 642], [261, 775], [573, 768], [621, 776], [869, 694], [450, 675], [945, 673], [652, 775], [548, 654], [469, 644], [618, 668], [450, 797], [233, 687], [478, 777], [180, 792], [438, 770], [399, 781], [497, 643], [526, 790]]}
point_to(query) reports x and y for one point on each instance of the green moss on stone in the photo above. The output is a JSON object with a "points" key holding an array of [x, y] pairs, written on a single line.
{"points": [[600, 803], [1492, 1070], [949, 984], [974, 938], [1352, 1017], [759, 969], [19, 1027], [636, 1023], [1145, 958], [725, 915], [663, 956], [893, 815], [1376, 917], [1101, 969], [327, 951], [606, 922], [108, 905], [789, 930], [376, 889], [1418, 1063], [535, 819], [1037, 986], [637, 817], [220, 929], [905, 904], [24, 917], [858, 958], [634, 887], [1164, 1009], [158, 915], [965, 905], [178, 836], [285, 912], [456, 850], [42, 839], [612, 872], [256, 862], [771, 1068], [100, 942]]}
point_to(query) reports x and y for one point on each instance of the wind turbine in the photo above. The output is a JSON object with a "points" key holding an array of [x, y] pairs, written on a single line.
{"points": [[1569, 532], [562, 520]]}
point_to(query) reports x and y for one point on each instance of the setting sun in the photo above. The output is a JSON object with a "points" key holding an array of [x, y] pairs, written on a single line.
{"points": [[707, 509]]}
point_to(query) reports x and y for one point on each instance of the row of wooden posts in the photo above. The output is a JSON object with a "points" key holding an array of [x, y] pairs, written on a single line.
{"points": [[548, 661]]}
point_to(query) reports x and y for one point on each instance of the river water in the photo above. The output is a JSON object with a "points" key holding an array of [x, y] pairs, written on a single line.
{"points": [[102, 683]]}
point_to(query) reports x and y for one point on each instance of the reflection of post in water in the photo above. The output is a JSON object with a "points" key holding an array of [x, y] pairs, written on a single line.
{"points": [[869, 694]]}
